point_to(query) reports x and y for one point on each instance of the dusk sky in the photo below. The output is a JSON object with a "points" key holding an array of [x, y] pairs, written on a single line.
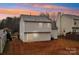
{"points": [[15, 9]]}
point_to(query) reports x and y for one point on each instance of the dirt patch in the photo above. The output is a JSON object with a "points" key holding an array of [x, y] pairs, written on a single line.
{"points": [[53, 47]]}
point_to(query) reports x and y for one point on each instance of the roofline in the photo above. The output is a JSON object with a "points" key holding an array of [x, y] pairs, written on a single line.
{"points": [[27, 15], [34, 16], [71, 15]]}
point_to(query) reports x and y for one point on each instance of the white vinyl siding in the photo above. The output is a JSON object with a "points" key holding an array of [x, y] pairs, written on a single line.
{"points": [[65, 23], [37, 27], [29, 37]]}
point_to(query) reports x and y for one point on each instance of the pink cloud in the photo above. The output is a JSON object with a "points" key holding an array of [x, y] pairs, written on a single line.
{"points": [[12, 12]]}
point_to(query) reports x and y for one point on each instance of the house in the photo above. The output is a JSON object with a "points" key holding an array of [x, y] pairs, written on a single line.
{"points": [[67, 23], [35, 28]]}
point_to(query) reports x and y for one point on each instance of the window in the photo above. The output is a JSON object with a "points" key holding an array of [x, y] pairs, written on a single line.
{"points": [[76, 21]]}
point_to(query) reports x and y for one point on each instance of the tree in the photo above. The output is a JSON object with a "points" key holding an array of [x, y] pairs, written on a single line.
{"points": [[11, 23], [2, 24], [45, 14]]}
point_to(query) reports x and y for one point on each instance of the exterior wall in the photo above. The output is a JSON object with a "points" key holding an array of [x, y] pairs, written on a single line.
{"points": [[31, 37], [37, 27], [65, 23], [22, 27], [25, 27]]}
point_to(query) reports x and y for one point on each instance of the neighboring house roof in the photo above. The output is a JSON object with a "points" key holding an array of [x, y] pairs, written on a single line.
{"points": [[35, 18], [70, 15]]}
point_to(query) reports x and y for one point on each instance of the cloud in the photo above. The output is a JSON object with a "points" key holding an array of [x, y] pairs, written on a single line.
{"points": [[51, 8], [18, 11], [36, 9], [3, 16], [48, 6], [14, 12]]}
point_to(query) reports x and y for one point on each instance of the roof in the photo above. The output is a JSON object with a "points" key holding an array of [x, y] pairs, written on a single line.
{"points": [[63, 14], [71, 15], [35, 18]]}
